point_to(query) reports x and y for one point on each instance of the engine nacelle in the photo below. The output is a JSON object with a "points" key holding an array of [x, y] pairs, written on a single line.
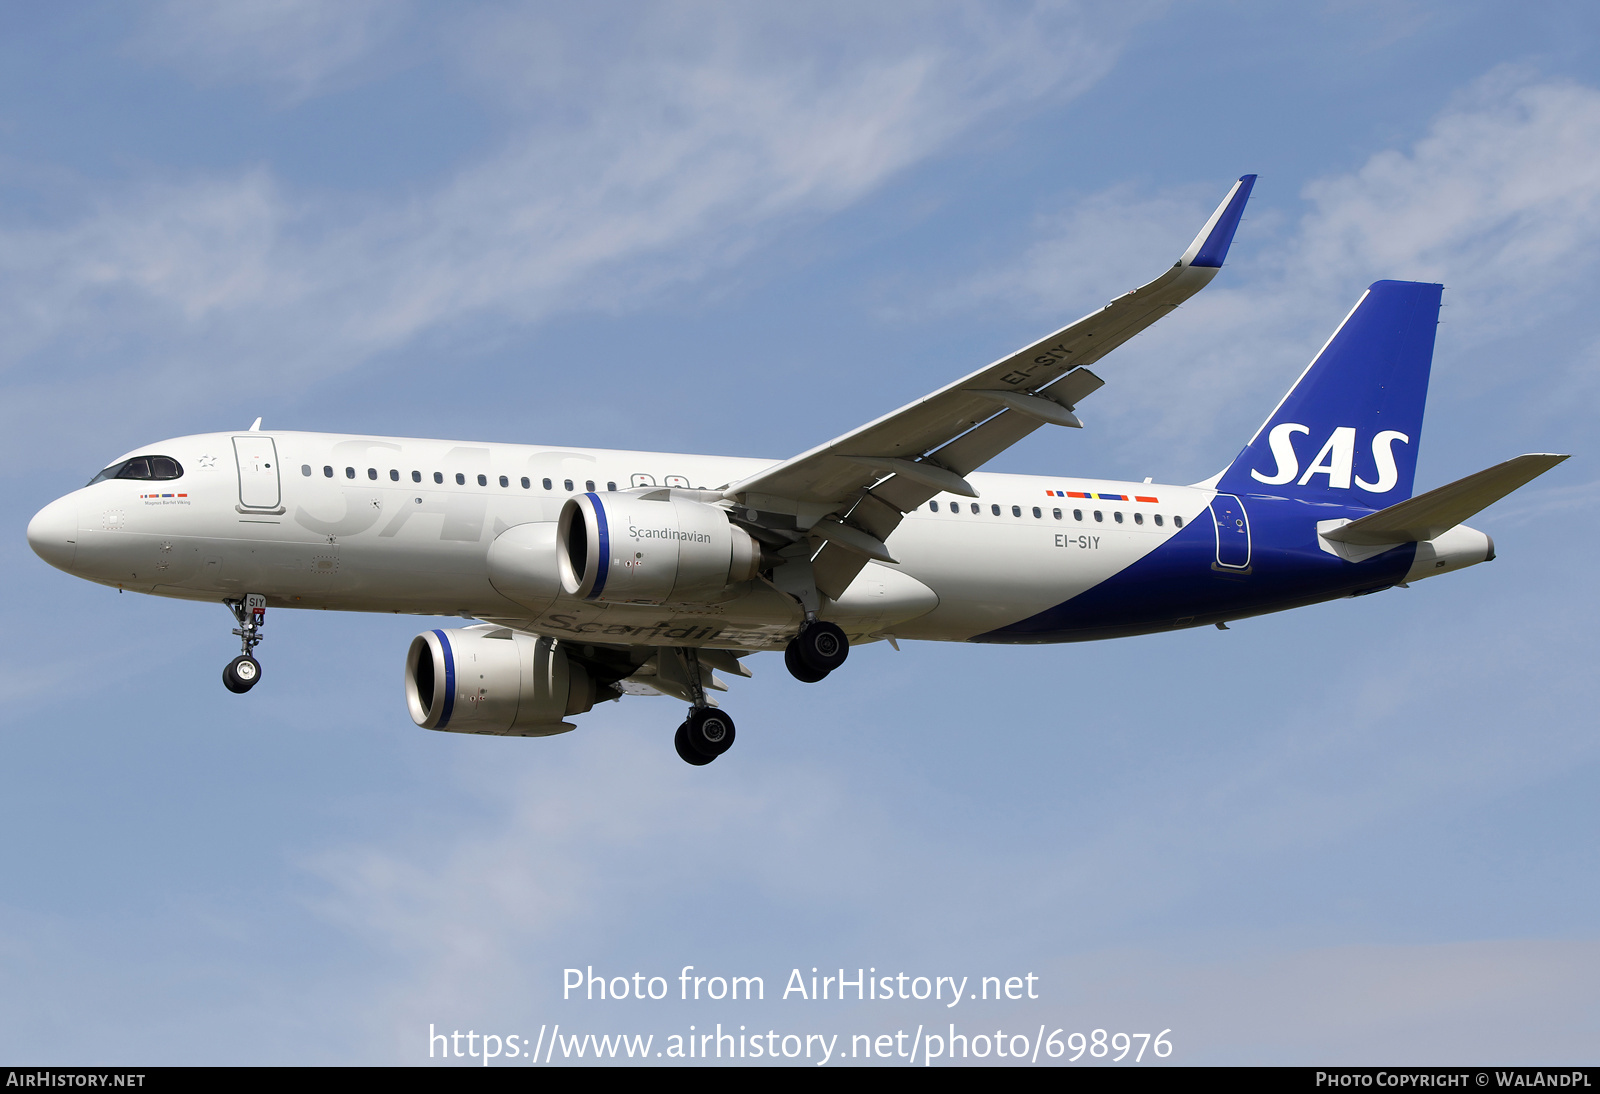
{"points": [[489, 679], [651, 549]]}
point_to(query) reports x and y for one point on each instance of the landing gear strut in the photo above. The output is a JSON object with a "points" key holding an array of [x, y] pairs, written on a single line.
{"points": [[244, 671], [707, 733], [817, 650]]}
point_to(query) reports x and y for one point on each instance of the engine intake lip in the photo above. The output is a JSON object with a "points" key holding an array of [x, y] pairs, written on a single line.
{"points": [[584, 539], [431, 680]]}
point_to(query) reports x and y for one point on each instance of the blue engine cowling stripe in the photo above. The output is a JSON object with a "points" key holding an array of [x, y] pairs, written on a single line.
{"points": [[449, 680], [603, 563]]}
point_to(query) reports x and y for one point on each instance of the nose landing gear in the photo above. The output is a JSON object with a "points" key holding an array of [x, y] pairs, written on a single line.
{"points": [[244, 671]]}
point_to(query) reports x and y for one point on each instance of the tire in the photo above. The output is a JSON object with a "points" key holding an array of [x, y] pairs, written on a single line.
{"points": [[680, 741], [822, 646], [709, 732], [798, 668], [241, 674]]}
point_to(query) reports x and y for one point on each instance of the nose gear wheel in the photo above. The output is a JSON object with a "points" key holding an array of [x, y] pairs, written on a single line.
{"points": [[241, 674], [244, 672]]}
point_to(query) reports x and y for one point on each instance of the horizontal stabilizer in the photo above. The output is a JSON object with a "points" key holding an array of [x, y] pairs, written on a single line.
{"points": [[1430, 515]]}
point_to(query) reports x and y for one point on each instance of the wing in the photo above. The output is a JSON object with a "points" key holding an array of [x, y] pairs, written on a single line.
{"points": [[848, 495]]}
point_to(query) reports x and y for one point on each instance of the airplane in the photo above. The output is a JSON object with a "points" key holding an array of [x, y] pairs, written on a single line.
{"points": [[596, 574]]}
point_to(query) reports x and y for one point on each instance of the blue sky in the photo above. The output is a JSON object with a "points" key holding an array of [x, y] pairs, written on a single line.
{"points": [[1362, 832]]}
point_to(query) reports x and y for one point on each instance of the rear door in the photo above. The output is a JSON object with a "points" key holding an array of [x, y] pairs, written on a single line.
{"points": [[1233, 532]]}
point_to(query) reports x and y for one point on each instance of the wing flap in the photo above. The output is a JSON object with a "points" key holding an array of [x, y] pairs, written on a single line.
{"points": [[1428, 516]]}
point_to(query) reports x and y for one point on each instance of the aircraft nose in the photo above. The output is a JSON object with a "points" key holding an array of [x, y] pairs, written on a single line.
{"points": [[53, 533]]}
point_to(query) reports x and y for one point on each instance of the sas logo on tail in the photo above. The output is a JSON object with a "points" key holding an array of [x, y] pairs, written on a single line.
{"points": [[1336, 460]]}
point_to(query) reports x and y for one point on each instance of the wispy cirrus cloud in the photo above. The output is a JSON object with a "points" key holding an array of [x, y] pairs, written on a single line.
{"points": [[639, 149], [296, 48], [1499, 200]]}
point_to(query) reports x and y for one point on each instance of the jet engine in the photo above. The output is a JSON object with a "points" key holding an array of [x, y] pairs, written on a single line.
{"points": [[651, 548], [489, 679]]}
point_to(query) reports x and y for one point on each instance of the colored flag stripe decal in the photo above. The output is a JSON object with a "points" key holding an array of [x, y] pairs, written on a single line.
{"points": [[1098, 497]]}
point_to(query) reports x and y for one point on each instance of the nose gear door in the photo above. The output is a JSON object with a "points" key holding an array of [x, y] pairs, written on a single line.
{"points": [[1233, 532], [257, 457]]}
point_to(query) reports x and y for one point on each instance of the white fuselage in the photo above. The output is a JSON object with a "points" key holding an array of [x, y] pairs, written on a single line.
{"points": [[383, 524]]}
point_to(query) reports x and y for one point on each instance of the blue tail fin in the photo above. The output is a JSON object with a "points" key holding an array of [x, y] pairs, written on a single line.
{"points": [[1348, 431]]}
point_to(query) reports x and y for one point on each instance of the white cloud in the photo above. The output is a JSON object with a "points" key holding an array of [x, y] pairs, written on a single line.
{"points": [[644, 158], [296, 47], [1499, 201], [1482, 1002], [555, 871]]}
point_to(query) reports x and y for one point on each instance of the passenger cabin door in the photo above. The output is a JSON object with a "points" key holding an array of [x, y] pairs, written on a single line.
{"points": [[257, 457], [1233, 532]]}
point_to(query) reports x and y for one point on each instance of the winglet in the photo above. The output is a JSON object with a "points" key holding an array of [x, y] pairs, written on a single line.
{"points": [[1210, 247]]}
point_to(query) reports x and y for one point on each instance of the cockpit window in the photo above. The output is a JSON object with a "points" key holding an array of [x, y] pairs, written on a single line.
{"points": [[148, 468]]}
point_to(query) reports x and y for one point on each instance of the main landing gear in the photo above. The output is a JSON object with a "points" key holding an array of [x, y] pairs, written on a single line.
{"points": [[244, 671], [707, 733], [817, 650]]}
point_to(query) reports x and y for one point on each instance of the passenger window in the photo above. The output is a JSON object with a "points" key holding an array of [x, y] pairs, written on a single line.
{"points": [[1056, 513], [566, 484], [611, 486], [372, 473], [349, 472], [1138, 518], [975, 509], [933, 506], [305, 469], [416, 476], [1037, 513], [1118, 515], [526, 484], [483, 480], [995, 509], [438, 476], [327, 471], [546, 483], [1016, 510], [461, 480], [394, 475], [1177, 522], [1099, 515], [1077, 514], [1158, 520], [588, 485], [504, 481]]}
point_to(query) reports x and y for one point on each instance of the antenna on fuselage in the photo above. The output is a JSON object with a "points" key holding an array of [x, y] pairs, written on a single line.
{"points": [[255, 426]]}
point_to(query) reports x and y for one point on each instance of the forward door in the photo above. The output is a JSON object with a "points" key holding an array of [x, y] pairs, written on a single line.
{"points": [[257, 457]]}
